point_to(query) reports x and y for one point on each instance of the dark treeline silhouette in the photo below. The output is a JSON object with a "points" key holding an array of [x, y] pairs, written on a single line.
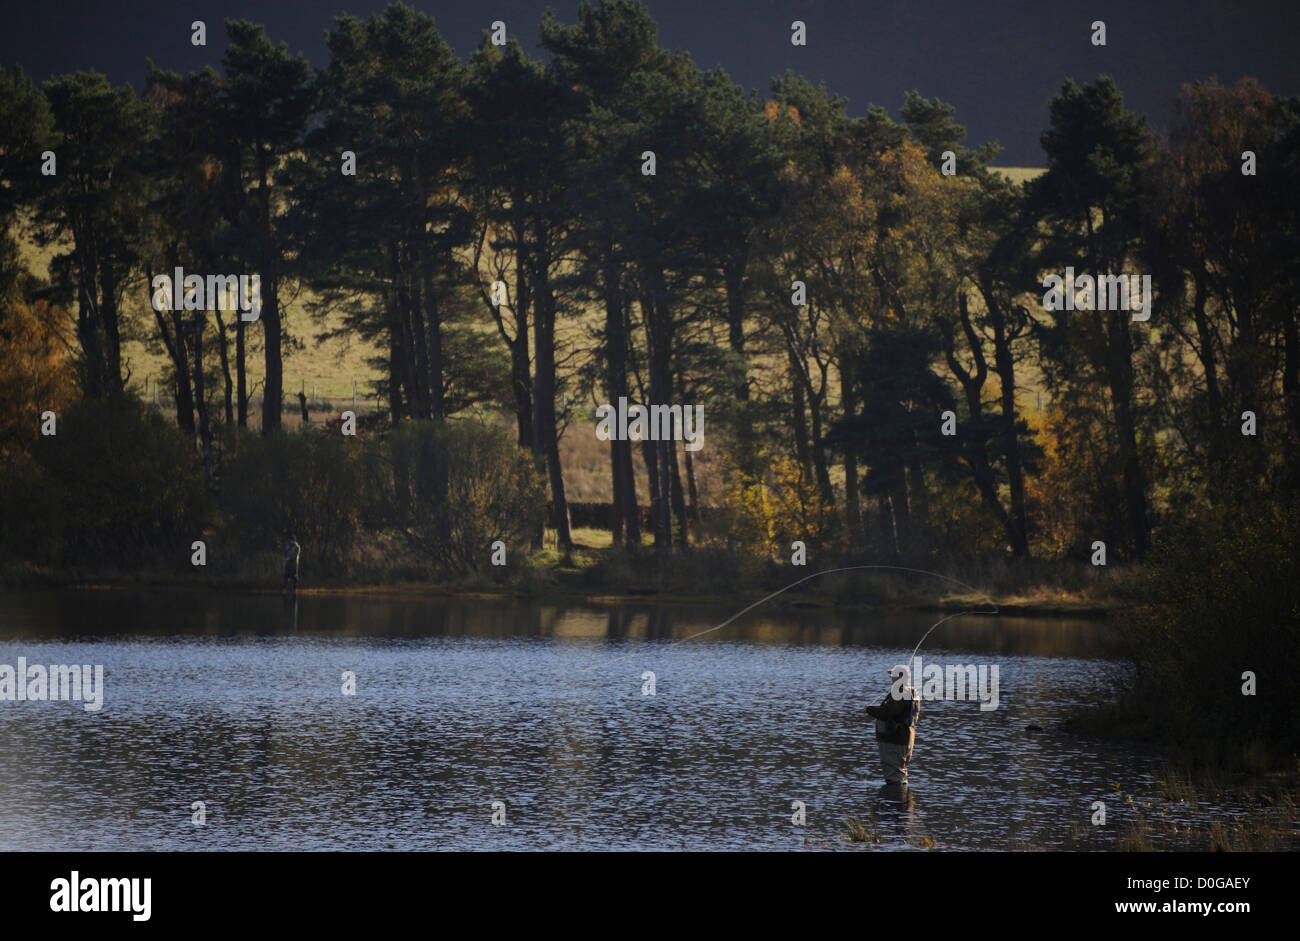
{"points": [[615, 223]]}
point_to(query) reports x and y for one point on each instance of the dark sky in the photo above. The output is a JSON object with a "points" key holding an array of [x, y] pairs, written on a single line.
{"points": [[998, 62]]}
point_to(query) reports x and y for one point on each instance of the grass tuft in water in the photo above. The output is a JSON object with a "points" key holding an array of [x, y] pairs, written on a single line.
{"points": [[859, 832]]}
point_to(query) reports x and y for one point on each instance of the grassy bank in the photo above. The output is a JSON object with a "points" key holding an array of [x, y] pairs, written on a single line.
{"points": [[598, 571]]}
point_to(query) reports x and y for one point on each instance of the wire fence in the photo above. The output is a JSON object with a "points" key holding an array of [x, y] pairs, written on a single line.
{"points": [[326, 394]]}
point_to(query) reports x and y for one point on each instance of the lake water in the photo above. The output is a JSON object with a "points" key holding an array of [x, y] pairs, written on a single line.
{"points": [[236, 700]]}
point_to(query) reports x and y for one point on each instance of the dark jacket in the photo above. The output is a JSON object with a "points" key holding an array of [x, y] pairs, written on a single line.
{"points": [[896, 718]]}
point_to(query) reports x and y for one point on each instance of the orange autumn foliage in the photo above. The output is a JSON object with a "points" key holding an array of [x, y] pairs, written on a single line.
{"points": [[36, 371]]}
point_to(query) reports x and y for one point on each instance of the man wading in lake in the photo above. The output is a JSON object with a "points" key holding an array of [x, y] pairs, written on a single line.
{"points": [[291, 553], [896, 727]]}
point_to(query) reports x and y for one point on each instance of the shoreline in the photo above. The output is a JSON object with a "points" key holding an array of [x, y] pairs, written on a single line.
{"points": [[600, 597]]}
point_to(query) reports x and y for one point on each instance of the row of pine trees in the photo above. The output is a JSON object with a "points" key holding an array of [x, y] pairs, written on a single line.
{"points": [[542, 235]]}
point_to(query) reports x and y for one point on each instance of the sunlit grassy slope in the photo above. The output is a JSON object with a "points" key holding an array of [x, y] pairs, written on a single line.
{"points": [[1019, 174], [331, 366]]}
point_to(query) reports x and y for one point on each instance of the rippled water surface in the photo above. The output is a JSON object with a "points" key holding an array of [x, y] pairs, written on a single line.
{"points": [[236, 701]]}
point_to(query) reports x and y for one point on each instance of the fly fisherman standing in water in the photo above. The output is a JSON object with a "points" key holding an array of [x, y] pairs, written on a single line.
{"points": [[896, 725]]}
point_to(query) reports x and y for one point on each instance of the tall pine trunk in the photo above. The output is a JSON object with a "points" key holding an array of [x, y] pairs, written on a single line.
{"points": [[616, 351], [273, 384], [1005, 365], [223, 347], [545, 433]]}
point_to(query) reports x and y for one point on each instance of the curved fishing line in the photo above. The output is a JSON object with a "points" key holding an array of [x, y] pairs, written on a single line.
{"points": [[912, 659], [848, 568]]}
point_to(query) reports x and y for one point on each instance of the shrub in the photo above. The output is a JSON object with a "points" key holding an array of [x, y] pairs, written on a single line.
{"points": [[1221, 597], [310, 482], [452, 488], [763, 516], [116, 484]]}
